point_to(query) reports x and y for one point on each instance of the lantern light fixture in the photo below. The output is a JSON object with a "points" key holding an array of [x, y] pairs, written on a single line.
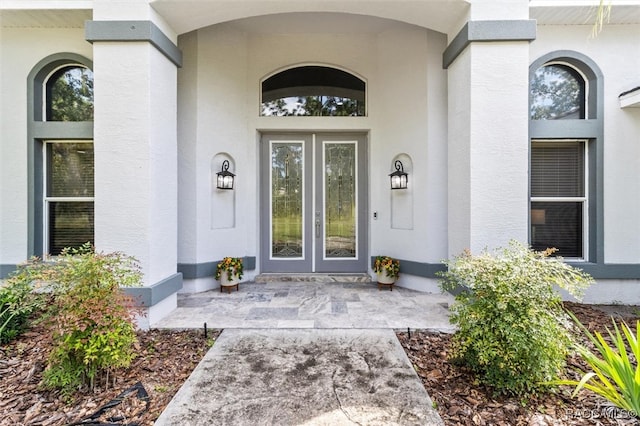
{"points": [[399, 178], [225, 177]]}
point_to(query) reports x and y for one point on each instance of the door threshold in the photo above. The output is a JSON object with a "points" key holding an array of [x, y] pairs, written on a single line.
{"points": [[313, 277]]}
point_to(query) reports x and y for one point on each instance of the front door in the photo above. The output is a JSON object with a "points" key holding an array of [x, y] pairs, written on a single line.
{"points": [[314, 202]]}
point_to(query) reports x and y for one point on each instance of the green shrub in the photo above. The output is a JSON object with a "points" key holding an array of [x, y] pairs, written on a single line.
{"points": [[94, 329], [512, 330], [18, 302], [615, 371]]}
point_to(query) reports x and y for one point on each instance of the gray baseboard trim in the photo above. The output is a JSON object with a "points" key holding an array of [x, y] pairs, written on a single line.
{"points": [[6, 270], [607, 271], [151, 295], [418, 269], [613, 271], [208, 269], [133, 31], [487, 31]]}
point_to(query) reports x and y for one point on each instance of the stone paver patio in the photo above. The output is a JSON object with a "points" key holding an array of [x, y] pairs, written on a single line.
{"points": [[311, 305]]}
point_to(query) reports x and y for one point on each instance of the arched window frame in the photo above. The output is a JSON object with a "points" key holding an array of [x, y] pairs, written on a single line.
{"points": [[39, 131], [591, 130]]}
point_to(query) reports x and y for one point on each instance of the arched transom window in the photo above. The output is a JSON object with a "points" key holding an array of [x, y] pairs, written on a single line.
{"points": [[69, 94], [313, 91], [558, 92]]}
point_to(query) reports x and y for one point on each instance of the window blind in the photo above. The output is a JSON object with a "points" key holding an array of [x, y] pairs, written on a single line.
{"points": [[557, 169]]}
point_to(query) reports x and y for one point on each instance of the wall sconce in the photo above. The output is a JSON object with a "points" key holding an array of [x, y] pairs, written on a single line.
{"points": [[399, 178], [225, 177]]}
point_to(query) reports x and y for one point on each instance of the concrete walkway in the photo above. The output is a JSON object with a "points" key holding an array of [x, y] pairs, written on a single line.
{"points": [[306, 354]]}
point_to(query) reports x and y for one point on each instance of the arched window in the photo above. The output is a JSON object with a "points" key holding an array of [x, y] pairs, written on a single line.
{"points": [[566, 158], [61, 154], [557, 93], [313, 91], [69, 94]]}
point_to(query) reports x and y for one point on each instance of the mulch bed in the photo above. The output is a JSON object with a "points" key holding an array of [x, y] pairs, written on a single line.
{"points": [[460, 400], [166, 358]]}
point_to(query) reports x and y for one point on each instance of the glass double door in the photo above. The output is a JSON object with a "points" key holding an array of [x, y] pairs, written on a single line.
{"points": [[313, 202]]}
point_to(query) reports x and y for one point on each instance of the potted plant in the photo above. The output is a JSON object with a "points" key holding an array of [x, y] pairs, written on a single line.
{"points": [[229, 272], [387, 269]]}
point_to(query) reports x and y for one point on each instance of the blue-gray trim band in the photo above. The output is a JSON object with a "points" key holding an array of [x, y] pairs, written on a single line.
{"points": [[486, 31], [418, 269], [133, 31], [154, 294], [614, 271], [208, 269], [611, 271], [5, 270]]}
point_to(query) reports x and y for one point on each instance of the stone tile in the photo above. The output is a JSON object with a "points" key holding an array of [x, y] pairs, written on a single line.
{"points": [[258, 297], [272, 313], [339, 307], [194, 302], [353, 297], [358, 285]]}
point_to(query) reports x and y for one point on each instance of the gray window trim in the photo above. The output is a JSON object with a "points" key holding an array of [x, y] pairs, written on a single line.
{"points": [[592, 129], [37, 131]]}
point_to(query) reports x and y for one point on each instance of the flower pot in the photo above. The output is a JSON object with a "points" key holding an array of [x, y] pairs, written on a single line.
{"points": [[385, 278], [227, 283]]}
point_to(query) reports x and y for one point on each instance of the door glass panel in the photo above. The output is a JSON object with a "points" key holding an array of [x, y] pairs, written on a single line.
{"points": [[287, 200], [340, 200]]}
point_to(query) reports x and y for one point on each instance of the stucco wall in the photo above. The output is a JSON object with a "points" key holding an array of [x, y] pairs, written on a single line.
{"points": [[20, 51]]}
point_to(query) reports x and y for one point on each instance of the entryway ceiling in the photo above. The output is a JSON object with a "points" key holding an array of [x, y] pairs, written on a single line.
{"points": [[188, 15]]}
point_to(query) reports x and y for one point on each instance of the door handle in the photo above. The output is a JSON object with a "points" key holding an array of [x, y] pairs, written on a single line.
{"points": [[317, 228]]}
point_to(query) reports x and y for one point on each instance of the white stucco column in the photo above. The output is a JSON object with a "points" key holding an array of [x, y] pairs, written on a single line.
{"points": [[488, 126], [135, 137]]}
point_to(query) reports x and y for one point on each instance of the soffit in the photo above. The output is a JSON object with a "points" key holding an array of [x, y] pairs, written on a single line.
{"points": [[44, 18], [580, 13], [313, 23]]}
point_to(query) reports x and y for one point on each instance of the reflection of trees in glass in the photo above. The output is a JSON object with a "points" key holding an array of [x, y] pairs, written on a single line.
{"points": [[69, 191], [557, 92], [70, 95], [71, 224], [70, 169], [340, 200], [286, 199], [320, 106]]}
